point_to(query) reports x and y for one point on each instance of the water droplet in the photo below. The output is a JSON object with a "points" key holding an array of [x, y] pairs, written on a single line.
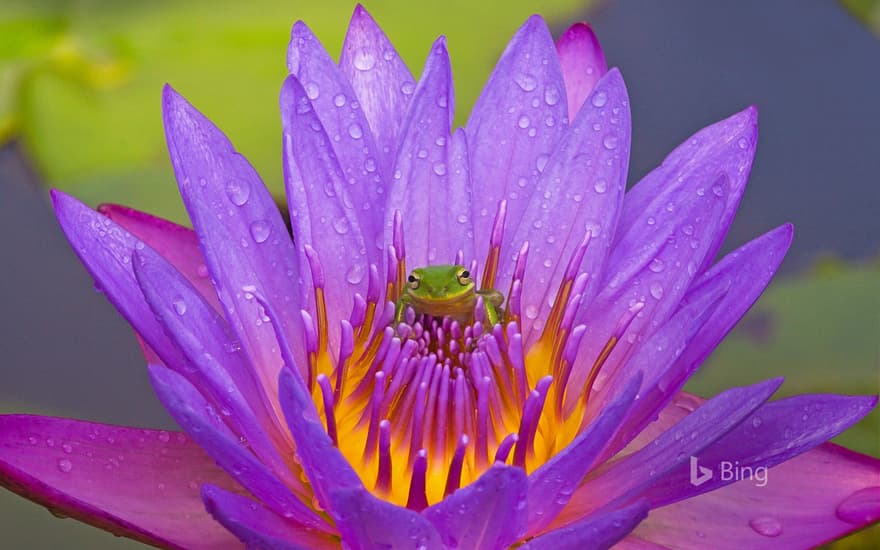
{"points": [[355, 131], [531, 311], [202, 271], [179, 306], [164, 437], [526, 82], [656, 265], [260, 230], [312, 90], [341, 225], [766, 526], [599, 99], [370, 165], [441, 101], [756, 422], [238, 192], [339, 100], [523, 122], [548, 263], [718, 191], [65, 465], [541, 162], [355, 274], [651, 220], [439, 168], [743, 143], [656, 290], [688, 230], [860, 507], [551, 95], [407, 88], [364, 60], [422, 153], [610, 142], [600, 186]]}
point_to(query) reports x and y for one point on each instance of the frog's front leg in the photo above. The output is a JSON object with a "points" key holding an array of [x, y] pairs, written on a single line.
{"points": [[492, 300], [399, 308]]}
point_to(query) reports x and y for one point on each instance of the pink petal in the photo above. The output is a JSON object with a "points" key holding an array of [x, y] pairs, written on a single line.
{"points": [[809, 500], [141, 484], [583, 64]]}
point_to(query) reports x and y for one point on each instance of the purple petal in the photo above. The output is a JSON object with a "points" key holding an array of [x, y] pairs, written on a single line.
{"points": [[217, 368], [257, 526], [600, 530], [435, 201], [177, 244], [726, 147], [324, 206], [836, 490], [773, 434], [341, 117], [240, 230], [142, 484], [489, 513], [581, 189], [653, 263], [515, 125], [637, 472], [367, 523], [324, 465], [106, 249], [551, 485], [381, 81], [583, 64], [205, 425]]}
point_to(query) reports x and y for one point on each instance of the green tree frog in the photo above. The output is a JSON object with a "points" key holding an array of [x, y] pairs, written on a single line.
{"points": [[446, 290]]}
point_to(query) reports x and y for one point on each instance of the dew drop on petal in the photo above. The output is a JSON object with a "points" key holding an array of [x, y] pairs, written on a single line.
{"points": [[339, 100], [599, 99], [523, 122], [526, 82], [610, 142], [260, 231], [439, 168], [600, 186], [407, 88], [355, 131], [766, 526], [656, 290], [355, 274], [861, 507], [551, 95], [656, 265], [202, 271], [531, 311], [341, 225], [364, 60], [312, 90], [756, 422], [179, 306], [65, 465], [238, 192], [541, 162]]}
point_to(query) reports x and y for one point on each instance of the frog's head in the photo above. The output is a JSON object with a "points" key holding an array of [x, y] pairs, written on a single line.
{"points": [[439, 283]]}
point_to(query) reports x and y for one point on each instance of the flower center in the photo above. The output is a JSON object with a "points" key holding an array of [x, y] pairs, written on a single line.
{"points": [[425, 407]]}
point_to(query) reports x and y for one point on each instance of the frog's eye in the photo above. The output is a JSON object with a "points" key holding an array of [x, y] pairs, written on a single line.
{"points": [[413, 281], [464, 278]]}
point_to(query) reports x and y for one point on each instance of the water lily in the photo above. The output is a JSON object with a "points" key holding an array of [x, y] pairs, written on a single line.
{"points": [[313, 419]]}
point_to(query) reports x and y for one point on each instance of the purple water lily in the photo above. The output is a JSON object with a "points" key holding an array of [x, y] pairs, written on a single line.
{"points": [[314, 418]]}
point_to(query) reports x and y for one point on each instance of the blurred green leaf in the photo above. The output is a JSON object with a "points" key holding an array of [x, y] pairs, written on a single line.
{"points": [[867, 11], [228, 58]]}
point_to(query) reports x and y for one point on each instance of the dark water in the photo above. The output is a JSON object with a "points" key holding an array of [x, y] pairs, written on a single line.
{"points": [[811, 69]]}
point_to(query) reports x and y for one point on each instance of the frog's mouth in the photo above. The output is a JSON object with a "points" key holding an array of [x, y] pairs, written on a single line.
{"points": [[460, 306]]}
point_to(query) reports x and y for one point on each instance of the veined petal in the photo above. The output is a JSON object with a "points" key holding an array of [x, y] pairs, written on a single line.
{"points": [[435, 200], [105, 249], [326, 209], [836, 491], [204, 424], [488, 514], [515, 125], [141, 484], [367, 522], [241, 233], [259, 527], [339, 113], [581, 189], [598, 531], [726, 147], [582, 62], [629, 477], [176, 243], [773, 434], [218, 368], [381, 81]]}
